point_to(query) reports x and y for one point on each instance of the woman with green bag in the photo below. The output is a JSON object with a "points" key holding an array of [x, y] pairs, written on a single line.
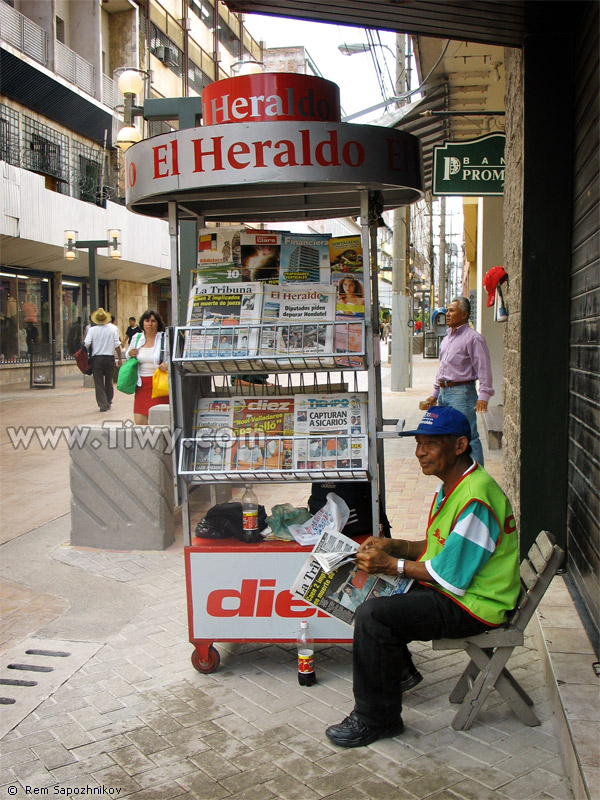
{"points": [[148, 348]]}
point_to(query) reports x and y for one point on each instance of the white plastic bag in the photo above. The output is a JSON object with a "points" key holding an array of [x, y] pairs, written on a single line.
{"points": [[333, 514]]}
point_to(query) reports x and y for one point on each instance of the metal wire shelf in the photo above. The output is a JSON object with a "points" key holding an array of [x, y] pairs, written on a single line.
{"points": [[219, 455], [270, 347]]}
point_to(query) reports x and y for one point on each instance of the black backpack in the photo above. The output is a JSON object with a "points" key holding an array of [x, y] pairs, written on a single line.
{"points": [[357, 496], [224, 521]]}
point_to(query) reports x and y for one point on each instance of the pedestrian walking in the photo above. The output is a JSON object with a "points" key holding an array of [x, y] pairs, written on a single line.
{"points": [[133, 328], [149, 349], [464, 359], [103, 338]]}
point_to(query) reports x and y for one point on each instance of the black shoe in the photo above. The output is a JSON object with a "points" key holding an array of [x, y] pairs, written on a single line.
{"points": [[411, 678], [354, 733]]}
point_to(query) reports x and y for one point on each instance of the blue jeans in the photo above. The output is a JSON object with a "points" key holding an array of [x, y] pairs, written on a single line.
{"points": [[463, 398]]}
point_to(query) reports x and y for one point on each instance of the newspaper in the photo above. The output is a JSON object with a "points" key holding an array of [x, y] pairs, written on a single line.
{"points": [[340, 590], [298, 309], [259, 426], [211, 447], [335, 431], [225, 320]]}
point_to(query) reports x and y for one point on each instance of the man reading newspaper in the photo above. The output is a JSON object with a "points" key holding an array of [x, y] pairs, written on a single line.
{"points": [[466, 579]]}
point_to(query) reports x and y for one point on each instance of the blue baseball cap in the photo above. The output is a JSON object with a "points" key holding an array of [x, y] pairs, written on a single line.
{"points": [[440, 421]]}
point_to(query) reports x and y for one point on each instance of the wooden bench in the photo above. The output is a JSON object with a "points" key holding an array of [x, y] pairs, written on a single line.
{"points": [[493, 423], [489, 651]]}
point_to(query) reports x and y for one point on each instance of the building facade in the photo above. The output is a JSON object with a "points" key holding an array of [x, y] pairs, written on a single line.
{"points": [[60, 113]]}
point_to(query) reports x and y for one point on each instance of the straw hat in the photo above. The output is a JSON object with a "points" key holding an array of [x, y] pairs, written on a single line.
{"points": [[100, 317]]}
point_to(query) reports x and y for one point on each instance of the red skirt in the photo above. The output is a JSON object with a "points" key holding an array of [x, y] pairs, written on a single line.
{"points": [[143, 400]]}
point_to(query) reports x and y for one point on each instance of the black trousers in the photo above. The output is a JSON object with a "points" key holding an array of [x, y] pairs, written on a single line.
{"points": [[103, 368], [382, 628]]}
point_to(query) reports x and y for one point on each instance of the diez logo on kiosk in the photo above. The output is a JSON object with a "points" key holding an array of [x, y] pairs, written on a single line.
{"points": [[258, 598]]}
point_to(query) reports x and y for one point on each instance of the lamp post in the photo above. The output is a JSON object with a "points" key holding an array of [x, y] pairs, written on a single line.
{"points": [[73, 245]]}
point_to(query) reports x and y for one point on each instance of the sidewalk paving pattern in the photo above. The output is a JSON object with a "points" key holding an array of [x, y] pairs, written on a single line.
{"points": [[136, 720]]}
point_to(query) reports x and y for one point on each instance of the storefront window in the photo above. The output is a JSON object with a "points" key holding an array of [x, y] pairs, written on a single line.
{"points": [[74, 315], [24, 315]]}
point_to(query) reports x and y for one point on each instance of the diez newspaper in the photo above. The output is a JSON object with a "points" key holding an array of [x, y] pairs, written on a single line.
{"points": [[225, 320], [296, 311], [259, 427], [340, 590], [335, 431]]}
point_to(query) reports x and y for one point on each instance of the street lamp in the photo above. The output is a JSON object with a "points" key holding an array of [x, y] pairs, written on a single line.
{"points": [[361, 47], [130, 84], [73, 245]]}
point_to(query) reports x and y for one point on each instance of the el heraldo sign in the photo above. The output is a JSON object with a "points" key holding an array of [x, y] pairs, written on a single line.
{"points": [[274, 128]]}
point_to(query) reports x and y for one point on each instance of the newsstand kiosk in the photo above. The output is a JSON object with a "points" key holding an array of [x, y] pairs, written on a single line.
{"points": [[271, 149]]}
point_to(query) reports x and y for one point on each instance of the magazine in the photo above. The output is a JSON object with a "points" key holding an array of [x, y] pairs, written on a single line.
{"points": [[304, 258], [298, 308], [259, 426], [220, 246], [260, 256], [348, 339], [345, 254], [225, 319], [335, 431], [340, 589]]}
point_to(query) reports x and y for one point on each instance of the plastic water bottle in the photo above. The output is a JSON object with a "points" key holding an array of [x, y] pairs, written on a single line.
{"points": [[249, 511], [306, 656]]}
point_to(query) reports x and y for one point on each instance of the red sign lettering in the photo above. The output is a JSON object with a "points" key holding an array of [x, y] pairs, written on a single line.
{"points": [[257, 599]]}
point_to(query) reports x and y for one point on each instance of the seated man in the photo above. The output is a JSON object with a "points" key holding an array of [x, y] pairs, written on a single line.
{"points": [[466, 578]]}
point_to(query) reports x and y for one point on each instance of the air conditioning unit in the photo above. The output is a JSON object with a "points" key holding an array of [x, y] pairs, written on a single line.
{"points": [[167, 55]]}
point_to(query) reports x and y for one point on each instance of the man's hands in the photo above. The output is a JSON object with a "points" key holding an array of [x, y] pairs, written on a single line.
{"points": [[481, 406], [374, 556], [425, 404]]}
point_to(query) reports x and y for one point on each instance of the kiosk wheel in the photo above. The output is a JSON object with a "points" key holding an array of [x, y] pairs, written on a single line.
{"points": [[208, 661]]}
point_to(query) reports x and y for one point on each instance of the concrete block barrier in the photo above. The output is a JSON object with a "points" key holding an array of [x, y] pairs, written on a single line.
{"points": [[122, 495]]}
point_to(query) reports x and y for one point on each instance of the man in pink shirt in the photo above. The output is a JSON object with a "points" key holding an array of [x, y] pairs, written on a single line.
{"points": [[464, 359]]}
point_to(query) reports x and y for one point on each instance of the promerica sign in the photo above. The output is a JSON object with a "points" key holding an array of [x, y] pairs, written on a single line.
{"points": [[473, 168]]}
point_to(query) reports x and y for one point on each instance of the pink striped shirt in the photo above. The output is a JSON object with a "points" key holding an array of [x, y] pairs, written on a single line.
{"points": [[464, 356]]}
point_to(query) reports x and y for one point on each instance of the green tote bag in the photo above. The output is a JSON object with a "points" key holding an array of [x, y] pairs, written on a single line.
{"points": [[128, 374]]}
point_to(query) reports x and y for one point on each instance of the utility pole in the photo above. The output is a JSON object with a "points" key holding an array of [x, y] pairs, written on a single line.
{"points": [[400, 373], [442, 264]]}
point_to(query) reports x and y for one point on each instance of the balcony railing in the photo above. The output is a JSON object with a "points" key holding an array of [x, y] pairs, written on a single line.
{"points": [[20, 32], [110, 92], [74, 68]]}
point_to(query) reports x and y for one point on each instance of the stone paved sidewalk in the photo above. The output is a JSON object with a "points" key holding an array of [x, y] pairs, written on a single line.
{"points": [[138, 721]]}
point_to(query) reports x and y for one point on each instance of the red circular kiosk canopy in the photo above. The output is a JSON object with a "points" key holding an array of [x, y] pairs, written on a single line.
{"points": [[287, 157]]}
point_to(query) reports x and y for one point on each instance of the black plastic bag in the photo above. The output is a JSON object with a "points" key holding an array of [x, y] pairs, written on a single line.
{"points": [[224, 521], [357, 495]]}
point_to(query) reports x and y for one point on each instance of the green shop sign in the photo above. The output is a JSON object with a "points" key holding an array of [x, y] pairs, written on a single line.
{"points": [[473, 168]]}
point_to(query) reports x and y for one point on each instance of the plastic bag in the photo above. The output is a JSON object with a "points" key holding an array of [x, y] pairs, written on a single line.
{"points": [[334, 513], [283, 515], [160, 383], [128, 376], [357, 495], [224, 521]]}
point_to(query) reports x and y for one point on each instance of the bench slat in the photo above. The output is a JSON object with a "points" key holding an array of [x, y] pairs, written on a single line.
{"points": [[528, 575]]}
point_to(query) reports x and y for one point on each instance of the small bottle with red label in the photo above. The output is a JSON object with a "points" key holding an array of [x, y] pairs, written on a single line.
{"points": [[249, 512], [306, 656]]}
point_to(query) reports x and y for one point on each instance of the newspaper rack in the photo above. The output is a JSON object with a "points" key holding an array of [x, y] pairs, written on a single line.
{"points": [[241, 592], [217, 360]]}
